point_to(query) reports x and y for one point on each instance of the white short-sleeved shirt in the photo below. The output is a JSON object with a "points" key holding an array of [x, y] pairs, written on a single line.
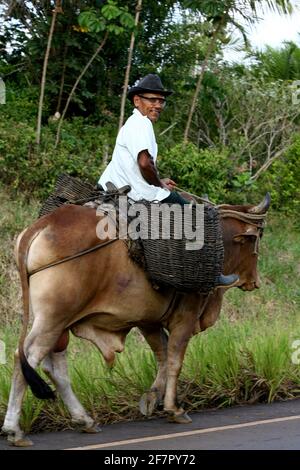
{"points": [[136, 135]]}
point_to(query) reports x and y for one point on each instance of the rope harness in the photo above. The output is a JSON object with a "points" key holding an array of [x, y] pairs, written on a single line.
{"points": [[257, 220], [76, 255]]}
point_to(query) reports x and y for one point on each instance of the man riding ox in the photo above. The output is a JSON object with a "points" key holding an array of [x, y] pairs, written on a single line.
{"points": [[134, 158], [101, 295]]}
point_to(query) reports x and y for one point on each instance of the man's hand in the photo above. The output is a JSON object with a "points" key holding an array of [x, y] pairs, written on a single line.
{"points": [[168, 183]]}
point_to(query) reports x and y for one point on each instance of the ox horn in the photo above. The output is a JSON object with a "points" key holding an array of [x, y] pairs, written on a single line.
{"points": [[262, 207]]}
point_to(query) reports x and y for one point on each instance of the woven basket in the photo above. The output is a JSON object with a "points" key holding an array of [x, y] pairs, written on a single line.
{"points": [[169, 263], [72, 188], [68, 190]]}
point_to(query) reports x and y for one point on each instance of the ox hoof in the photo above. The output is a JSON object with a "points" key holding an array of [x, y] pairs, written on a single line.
{"points": [[148, 402], [179, 417], [19, 441], [86, 426], [92, 429]]}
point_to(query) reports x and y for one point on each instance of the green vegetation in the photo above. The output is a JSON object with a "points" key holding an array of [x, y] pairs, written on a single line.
{"points": [[25, 169], [243, 132]]}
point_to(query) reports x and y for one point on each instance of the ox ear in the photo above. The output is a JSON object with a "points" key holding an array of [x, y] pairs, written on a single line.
{"points": [[244, 236]]}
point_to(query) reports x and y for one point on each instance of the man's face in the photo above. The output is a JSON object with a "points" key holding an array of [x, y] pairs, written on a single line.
{"points": [[150, 104]]}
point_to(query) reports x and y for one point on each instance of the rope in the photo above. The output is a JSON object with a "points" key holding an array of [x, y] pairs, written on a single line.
{"points": [[69, 258], [106, 197], [257, 220], [253, 219], [195, 196]]}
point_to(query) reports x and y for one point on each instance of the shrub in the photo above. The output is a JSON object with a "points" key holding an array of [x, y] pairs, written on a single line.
{"points": [[26, 168], [282, 180], [200, 171]]}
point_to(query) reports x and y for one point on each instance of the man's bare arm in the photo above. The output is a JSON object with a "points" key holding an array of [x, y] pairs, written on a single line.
{"points": [[150, 173], [148, 169]]}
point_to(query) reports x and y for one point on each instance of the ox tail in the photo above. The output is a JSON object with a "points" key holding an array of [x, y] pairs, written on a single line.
{"points": [[38, 386]]}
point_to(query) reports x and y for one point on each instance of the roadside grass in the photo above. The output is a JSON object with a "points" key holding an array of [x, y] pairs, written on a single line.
{"points": [[245, 362], [15, 214], [245, 358]]}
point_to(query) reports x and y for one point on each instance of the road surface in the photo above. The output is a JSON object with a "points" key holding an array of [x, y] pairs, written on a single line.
{"points": [[256, 427]]}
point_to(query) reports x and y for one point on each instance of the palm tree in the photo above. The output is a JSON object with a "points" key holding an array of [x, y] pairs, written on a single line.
{"points": [[280, 64], [222, 14]]}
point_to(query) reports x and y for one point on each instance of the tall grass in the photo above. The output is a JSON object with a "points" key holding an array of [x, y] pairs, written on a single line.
{"points": [[15, 214], [244, 358]]}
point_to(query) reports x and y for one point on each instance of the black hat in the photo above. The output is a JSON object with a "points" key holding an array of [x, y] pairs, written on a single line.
{"points": [[149, 84]]}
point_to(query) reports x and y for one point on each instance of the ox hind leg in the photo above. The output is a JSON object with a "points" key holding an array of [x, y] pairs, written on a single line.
{"points": [[157, 339], [37, 345], [56, 367], [11, 425]]}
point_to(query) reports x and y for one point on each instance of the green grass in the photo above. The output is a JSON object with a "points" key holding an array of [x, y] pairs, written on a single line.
{"points": [[245, 361], [244, 358], [15, 214]]}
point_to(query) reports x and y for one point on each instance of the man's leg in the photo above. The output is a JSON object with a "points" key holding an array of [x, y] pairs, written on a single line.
{"points": [[175, 198]]}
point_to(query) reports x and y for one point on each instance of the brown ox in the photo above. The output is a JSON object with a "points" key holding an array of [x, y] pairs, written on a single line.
{"points": [[100, 296]]}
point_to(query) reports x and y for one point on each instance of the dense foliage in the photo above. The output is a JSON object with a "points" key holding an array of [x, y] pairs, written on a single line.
{"points": [[244, 135]]}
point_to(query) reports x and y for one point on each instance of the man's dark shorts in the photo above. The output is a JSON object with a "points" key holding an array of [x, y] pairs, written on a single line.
{"points": [[175, 198]]}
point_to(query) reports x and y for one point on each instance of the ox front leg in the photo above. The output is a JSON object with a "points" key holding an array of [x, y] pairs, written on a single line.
{"points": [[55, 366], [181, 329], [158, 341]]}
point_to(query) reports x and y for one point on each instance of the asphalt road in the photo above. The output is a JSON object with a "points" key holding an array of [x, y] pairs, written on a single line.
{"points": [[257, 427]]}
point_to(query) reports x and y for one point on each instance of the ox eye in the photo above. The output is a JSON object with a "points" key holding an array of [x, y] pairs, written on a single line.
{"points": [[243, 238], [239, 239]]}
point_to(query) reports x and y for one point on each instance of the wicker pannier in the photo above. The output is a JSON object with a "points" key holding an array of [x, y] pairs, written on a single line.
{"points": [[169, 263], [67, 189]]}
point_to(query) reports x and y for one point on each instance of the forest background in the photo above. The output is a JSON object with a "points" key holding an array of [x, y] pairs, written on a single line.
{"points": [[229, 130]]}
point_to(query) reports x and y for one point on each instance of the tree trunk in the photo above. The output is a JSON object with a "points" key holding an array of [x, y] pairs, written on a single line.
{"points": [[130, 52], [56, 10], [199, 82], [62, 80], [266, 165], [75, 86]]}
